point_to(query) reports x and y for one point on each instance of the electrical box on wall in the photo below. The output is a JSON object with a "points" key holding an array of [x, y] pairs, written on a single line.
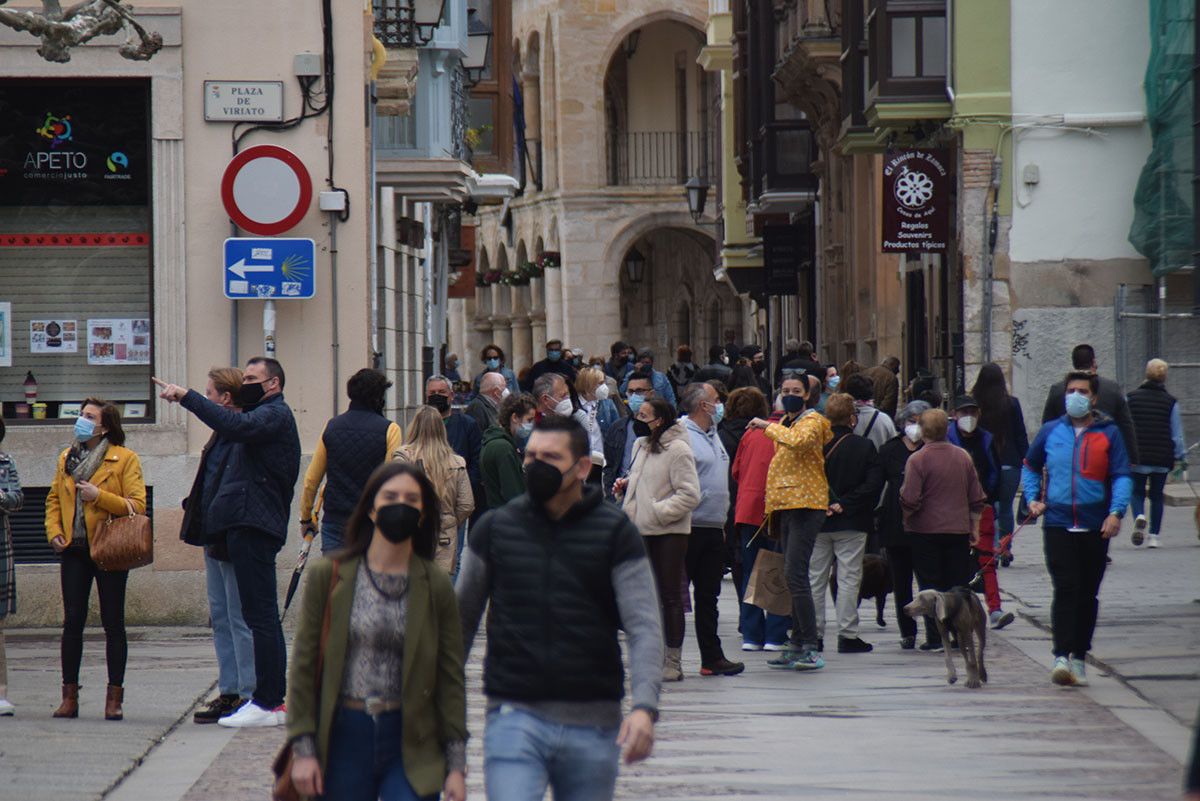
{"points": [[332, 200], [1031, 174], [307, 65]]}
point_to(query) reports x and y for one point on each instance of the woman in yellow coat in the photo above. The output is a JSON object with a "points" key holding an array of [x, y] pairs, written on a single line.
{"points": [[97, 478]]}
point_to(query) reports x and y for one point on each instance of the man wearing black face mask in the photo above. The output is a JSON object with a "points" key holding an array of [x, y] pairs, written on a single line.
{"points": [[251, 508], [553, 674]]}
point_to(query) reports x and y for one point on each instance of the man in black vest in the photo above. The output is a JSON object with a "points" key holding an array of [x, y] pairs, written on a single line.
{"points": [[564, 572], [352, 445], [1158, 427]]}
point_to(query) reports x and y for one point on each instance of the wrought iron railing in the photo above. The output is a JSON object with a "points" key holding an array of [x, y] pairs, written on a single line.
{"points": [[660, 157], [459, 116], [394, 23]]}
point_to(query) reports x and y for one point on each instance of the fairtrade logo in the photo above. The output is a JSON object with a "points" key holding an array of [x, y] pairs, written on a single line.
{"points": [[56, 129], [117, 162]]}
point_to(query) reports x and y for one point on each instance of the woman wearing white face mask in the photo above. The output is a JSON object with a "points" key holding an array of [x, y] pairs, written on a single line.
{"points": [[596, 413], [894, 456]]}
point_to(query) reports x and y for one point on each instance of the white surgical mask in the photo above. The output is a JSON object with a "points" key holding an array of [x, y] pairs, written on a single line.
{"points": [[602, 392], [504, 393], [564, 407], [913, 432], [967, 423]]}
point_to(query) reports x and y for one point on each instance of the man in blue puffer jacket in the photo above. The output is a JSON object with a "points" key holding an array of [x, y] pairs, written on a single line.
{"points": [[1087, 488]]}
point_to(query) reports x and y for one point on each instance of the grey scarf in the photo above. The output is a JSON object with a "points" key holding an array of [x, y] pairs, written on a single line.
{"points": [[81, 465]]}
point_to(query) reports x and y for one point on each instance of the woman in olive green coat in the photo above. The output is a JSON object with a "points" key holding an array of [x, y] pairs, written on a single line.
{"points": [[388, 720]]}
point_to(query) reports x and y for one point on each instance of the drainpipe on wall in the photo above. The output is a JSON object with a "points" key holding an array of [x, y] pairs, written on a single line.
{"points": [[991, 230]]}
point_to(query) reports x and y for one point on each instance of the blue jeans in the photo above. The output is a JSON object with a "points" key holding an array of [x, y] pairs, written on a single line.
{"points": [[758, 627], [1157, 482], [462, 540], [523, 754], [1006, 491], [331, 536], [366, 760], [252, 553], [231, 635]]}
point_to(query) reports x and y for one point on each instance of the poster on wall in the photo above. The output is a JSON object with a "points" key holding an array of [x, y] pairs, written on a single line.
{"points": [[74, 143], [118, 341], [916, 201], [5, 334], [53, 336]]}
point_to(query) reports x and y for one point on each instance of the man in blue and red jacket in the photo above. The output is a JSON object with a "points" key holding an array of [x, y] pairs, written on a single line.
{"points": [[1087, 488]]}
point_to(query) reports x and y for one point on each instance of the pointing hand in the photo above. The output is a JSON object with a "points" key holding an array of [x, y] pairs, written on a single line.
{"points": [[170, 392]]}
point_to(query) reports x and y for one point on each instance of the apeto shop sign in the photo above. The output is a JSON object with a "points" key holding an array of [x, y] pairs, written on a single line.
{"points": [[916, 201]]}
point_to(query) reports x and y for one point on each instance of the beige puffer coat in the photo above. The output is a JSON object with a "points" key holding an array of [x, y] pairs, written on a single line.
{"points": [[663, 487]]}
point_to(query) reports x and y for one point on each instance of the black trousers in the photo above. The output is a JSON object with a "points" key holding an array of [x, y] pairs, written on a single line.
{"points": [[76, 574], [1076, 561], [253, 553], [668, 554], [941, 561], [900, 561], [705, 568]]}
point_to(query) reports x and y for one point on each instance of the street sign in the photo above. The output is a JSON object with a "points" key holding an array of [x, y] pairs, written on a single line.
{"points": [[243, 101], [266, 190], [271, 269]]}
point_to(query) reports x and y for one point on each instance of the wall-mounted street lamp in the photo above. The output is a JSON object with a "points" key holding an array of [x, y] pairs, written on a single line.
{"points": [[697, 194], [479, 48], [427, 17], [635, 266]]}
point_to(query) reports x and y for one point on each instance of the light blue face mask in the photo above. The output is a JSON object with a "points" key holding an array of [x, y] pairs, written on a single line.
{"points": [[85, 429], [554, 355], [718, 413], [635, 402], [1078, 405], [493, 364], [833, 382], [524, 430]]}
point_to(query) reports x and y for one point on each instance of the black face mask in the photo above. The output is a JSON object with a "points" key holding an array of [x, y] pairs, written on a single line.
{"points": [[641, 428], [543, 480], [250, 394], [439, 402], [793, 404], [759, 366], [397, 522]]}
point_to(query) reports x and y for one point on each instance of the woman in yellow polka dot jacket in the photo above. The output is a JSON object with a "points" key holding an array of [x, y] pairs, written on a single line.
{"points": [[798, 493]]}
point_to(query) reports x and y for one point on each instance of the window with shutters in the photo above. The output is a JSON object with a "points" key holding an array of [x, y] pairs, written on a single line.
{"points": [[75, 248]]}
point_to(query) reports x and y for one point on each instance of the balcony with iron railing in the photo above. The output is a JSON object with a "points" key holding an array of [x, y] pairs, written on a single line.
{"points": [[661, 158]]}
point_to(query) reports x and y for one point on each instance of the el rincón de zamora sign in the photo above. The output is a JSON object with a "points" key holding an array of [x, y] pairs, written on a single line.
{"points": [[916, 201]]}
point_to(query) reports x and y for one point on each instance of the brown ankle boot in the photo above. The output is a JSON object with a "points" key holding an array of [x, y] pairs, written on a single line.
{"points": [[112, 703], [70, 703]]}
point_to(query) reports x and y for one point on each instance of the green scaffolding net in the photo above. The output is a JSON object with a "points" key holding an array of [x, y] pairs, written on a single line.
{"points": [[1163, 227]]}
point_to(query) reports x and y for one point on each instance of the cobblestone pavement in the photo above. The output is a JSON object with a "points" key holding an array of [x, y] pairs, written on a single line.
{"points": [[872, 726]]}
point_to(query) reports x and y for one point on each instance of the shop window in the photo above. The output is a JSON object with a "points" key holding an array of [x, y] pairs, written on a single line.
{"points": [[75, 248]]}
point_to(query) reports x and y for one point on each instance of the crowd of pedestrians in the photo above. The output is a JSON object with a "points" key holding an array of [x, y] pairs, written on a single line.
{"points": [[582, 500]]}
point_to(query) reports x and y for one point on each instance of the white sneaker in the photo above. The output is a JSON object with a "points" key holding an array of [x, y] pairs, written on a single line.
{"points": [[251, 716], [775, 646], [1061, 674], [751, 646], [1079, 672], [1153, 542], [1139, 530], [7, 710]]}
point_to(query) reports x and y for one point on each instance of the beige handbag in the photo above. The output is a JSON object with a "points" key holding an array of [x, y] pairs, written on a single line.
{"points": [[767, 587], [123, 543]]}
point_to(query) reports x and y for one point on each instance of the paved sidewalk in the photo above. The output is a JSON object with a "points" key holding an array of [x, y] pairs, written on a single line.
{"points": [[883, 725]]}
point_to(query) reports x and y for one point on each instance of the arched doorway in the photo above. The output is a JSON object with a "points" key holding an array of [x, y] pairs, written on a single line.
{"points": [[658, 305]]}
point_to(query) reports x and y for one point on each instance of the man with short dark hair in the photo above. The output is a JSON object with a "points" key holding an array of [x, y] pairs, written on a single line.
{"points": [[251, 508], [717, 368], [758, 363], [618, 442], [799, 356], [645, 363], [621, 363], [872, 423], [352, 445], [555, 362], [561, 573], [1109, 399]]}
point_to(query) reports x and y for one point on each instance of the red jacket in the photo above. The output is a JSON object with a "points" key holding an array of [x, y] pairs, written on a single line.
{"points": [[750, 467]]}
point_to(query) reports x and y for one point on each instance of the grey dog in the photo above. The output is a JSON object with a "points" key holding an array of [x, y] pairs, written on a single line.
{"points": [[958, 610]]}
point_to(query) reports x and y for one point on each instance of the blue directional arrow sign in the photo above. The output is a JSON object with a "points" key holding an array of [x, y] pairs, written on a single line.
{"points": [[276, 269]]}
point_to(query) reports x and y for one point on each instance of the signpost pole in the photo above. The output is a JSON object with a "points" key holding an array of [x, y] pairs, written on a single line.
{"points": [[269, 329]]}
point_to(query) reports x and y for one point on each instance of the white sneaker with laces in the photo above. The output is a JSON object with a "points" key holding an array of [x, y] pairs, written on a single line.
{"points": [[1153, 541], [1079, 672], [751, 646], [251, 716], [775, 646], [1061, 674], [6, 708]]}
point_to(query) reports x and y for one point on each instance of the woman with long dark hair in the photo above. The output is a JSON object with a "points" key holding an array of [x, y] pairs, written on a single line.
{"points": [[1000, 415], [659, 496], [97, 478], [388, 720]]}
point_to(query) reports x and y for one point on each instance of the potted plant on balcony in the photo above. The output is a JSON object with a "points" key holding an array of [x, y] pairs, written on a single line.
{"points": [[550, 260], [530, 270], [514, 278], [488, 278]]}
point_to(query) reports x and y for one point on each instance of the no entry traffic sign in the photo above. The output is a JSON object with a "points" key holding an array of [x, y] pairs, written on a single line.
{"points": [[266, 190]]}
